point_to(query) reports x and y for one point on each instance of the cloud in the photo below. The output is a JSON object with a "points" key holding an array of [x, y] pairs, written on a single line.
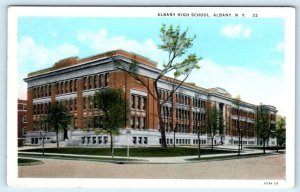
{"points": [[236, 31], [100, 41], [253, 86], [33, 56], [279, 48], [275, 62]]}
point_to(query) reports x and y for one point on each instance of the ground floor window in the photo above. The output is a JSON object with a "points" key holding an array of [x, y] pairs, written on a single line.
{"points": [[105, 139]]}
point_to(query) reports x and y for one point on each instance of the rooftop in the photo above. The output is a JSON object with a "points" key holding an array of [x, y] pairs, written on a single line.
{"points": [[70, 61]]}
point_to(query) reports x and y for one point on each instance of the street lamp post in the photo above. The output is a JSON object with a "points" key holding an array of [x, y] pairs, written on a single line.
{"points": [[128, 133]]}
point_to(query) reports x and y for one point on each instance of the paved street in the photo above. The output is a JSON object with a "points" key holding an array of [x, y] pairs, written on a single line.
{"points": [[266, 167]]}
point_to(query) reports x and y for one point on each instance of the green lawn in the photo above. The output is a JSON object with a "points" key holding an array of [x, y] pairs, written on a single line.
{"points": [[28, 161], [134, 152]]}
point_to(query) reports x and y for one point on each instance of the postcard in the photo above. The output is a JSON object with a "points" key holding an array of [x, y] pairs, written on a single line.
{"points": [[151, 97]]}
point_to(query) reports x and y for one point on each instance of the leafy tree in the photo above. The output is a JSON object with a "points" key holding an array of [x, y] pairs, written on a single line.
{"points": [[58, 119], [212, 123], [114, 107], [280, 131], [176, 44], [263, 124], [221, 126]]}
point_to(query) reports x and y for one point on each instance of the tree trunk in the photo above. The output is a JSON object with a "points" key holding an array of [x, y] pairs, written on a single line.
{"points": [[161, 126], [199, 146], [277, 145], [212, 142], [111, 145], [57, 142], [241, 143], [264, 146], [222, 139], [174, 137], [43, 145]]}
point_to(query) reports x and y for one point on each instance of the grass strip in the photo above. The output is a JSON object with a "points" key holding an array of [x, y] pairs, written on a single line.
{"points": [[65, 157], [25, 162], [134, 152]]}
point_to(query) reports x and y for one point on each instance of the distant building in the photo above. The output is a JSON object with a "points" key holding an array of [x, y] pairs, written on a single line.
{"points": [[22, 121], [74, 82]]}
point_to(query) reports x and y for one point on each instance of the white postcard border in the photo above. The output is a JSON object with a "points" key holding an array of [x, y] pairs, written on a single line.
{"points": [[12, 167]]}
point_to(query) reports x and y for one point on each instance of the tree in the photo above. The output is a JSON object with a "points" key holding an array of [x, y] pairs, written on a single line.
{"points": [[212, 123], [280, 131], [43, 133], [176, 44], [114, 107], [58, 119], [221, 126], [263, 124], [237, 102]]}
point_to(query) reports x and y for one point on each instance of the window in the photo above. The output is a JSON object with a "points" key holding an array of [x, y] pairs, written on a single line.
{"points": [[94, 140], [145, 140], [100, 77], [42, 91], [57, 88], [144, 104], [75, 84], [106, 76], [61, 87], [140, 140], [66, 87], [90, 102], [75, 104], [144, 123], [84, 103], [25, 119], [105, 139], [34, 93], [95, 81], [132, 101], [132, 121], [90, 82], [134, 140], [71, 104], [71, 86], [138, 101], [84, 83], [49, 90], [100, 140], [138, 122]]}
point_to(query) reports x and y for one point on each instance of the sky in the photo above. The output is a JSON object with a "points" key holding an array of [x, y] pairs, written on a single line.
{"points": [[245, 56]]}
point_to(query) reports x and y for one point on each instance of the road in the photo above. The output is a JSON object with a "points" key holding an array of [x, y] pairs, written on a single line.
{"points": [[266, 167]]}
